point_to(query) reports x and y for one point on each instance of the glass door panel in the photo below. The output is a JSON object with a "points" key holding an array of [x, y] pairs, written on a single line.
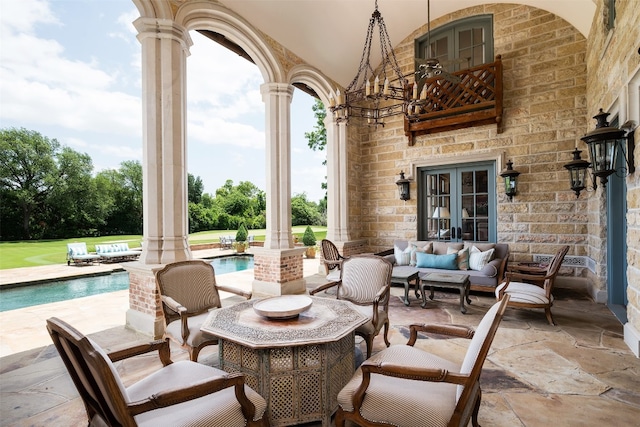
{"points": [[438, 206]]}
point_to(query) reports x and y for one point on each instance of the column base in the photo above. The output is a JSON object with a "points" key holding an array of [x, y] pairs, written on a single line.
{"points": [[632, 338], [145, 310], [145, 323], [278, 272], [265, 289]]}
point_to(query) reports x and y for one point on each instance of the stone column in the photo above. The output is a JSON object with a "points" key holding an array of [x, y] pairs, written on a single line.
{"points": [[165, 47], [337, 181], [278, 265]]}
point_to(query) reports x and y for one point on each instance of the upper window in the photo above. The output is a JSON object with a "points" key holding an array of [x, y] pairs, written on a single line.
{"points": [[461, 44]]}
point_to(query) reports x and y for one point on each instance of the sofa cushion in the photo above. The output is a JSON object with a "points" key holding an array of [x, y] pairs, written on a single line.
{"points": [[478, 259], [463, 257], [402, 256], [445, 262], [419, 247], [441, 248]]}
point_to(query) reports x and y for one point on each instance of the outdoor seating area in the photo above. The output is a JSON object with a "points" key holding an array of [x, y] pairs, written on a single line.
{"points": [[78, 255], [581, 367], [116, 252]]}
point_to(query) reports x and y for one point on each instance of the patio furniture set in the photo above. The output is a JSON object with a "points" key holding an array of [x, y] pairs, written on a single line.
{"points": [[78, 254], [290, 360]]}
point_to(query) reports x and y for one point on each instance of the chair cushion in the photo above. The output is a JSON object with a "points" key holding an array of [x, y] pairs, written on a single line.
{"points": [[217, 409], [369, 327], [525, 293], [196, 336], [334, 275], [418, 403]]}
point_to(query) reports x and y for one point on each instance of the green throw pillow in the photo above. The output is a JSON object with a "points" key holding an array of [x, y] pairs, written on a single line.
{"points": [[445, 262]]}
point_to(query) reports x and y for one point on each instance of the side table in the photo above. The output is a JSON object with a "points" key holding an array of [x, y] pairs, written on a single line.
{"points": [[406, 275], [442, 280]]}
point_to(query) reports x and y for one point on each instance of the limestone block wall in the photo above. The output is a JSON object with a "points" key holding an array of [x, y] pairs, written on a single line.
{"points": [[613, 61], [545, 114]]}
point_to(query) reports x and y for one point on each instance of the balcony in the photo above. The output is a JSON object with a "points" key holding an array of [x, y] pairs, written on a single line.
{"points": [[475, 101]]}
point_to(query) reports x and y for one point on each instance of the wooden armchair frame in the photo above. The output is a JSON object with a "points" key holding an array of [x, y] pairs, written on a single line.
{"points": [[383, 365], [531, 287], [188, 291], [104, 396], [332, 259]]}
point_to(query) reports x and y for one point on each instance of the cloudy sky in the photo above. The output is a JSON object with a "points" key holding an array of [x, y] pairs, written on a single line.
{"points": [[70, 69]]}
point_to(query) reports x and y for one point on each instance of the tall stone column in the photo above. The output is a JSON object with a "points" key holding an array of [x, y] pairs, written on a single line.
{"points": [[165, 47], [278, 265], [337, 181]]}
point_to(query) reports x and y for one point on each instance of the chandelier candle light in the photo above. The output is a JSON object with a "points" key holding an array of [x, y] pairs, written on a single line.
{"points": [[373, 96]]}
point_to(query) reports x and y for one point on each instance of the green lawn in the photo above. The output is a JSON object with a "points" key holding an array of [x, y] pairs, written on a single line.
{"points": [[47, 252]]}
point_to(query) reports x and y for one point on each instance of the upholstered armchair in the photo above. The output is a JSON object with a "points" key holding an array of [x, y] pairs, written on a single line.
{"points": [[183, 393], [532, 288], [405, 386], [366, 282], [188, 291]]}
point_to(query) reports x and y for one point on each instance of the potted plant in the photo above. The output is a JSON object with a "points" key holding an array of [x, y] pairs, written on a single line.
{"points": [[241, 239], [309, 240]]}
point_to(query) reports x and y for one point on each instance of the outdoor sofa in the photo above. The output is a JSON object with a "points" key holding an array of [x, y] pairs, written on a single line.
{"points": [[486, 271], [77, 253], [116, 252]]}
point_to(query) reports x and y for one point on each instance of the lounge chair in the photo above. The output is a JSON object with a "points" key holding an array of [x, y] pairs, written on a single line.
{"points": [[77, 253]]}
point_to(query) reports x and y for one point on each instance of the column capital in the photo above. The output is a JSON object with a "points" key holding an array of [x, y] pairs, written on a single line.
{"points": [[162, 29], [276, 89]]}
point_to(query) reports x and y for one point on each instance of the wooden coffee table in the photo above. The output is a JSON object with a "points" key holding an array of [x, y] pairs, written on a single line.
{"points": [[406, 275], [446, 280]]}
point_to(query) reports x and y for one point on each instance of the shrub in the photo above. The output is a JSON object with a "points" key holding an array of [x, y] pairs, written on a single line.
{"points": [[308, 238], [241, 235]]}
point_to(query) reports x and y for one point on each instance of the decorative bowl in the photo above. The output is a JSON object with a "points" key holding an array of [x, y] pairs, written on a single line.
{"points": [[282, 307]]}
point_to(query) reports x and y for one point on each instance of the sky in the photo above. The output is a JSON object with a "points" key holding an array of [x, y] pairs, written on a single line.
{"points": [[71, 70]]}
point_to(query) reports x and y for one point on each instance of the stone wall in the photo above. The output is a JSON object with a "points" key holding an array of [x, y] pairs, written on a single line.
{"points": [[544, 116], [613, 61]]}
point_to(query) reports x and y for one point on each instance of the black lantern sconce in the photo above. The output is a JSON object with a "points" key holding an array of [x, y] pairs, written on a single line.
{"points": [[604, 142], [510, 180], [578, 172], [403, 187]]}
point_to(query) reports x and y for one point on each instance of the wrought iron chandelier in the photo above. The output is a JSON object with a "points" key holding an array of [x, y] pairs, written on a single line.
{"points": [[369, 96]]}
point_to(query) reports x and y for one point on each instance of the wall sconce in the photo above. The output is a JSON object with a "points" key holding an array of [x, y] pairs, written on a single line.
{"points": [[578, 172], [510, 180], [403, 187], [604, 142]]}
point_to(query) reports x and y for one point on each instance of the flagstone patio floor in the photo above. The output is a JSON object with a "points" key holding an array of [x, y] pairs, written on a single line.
{"points": [[579, 373]]}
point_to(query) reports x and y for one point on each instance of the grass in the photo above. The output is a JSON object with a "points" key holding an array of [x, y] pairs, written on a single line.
{"points": [[31, 253]]}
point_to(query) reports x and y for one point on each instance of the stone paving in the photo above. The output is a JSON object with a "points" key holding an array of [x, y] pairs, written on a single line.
{"points": [[577, 373]]}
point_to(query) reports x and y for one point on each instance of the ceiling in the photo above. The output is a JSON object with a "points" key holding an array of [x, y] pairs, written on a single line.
{"points": [[329, 34]]}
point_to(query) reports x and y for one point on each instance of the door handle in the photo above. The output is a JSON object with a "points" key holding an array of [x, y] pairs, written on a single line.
{"points": [[453, 233], [459, 232]]}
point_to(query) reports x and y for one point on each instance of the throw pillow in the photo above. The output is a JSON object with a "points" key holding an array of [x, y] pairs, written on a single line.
{"points": [[463, 257], [428, 248], [445, 262], [478, 259], [403, 256]]}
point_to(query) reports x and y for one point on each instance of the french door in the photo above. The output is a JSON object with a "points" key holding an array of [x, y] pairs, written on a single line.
{"points": [[457, 203]]}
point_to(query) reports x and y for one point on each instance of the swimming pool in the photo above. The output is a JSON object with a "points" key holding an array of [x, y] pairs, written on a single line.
{"points": [[44, 293]]}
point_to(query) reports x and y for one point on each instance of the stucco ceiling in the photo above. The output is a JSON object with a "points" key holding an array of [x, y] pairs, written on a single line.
{"points": [[329, 34]]}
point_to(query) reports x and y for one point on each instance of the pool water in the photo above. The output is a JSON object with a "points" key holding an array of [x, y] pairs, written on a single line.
{"points": [[63, 290]]}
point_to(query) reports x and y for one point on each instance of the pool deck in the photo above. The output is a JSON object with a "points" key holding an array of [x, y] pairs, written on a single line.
{"points": [[23, 329]]}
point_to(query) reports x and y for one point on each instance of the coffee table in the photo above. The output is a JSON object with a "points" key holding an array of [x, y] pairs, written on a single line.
{"points": [[405, 275], [299, 364], [446, 280]]}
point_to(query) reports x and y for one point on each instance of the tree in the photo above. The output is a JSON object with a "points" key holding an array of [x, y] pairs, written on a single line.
{"points": [[124, 188], [304, 212], [48, 188], [309, 238], [195, 188], [317, 139]]}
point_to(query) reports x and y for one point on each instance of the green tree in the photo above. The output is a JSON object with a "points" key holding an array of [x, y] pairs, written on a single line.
{"points": [[47, 190], [124, 188], [195, 188], [304, 212], [317, 139], [309, 238]]}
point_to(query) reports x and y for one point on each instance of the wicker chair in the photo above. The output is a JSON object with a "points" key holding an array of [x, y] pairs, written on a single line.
{"points": [[531, 288], [189, 291], [366, 282], [332, 260], [408, 387], [179, 394]]}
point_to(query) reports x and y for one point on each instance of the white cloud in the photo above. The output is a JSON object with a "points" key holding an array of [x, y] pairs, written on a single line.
{"points": [[23, 15]]}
